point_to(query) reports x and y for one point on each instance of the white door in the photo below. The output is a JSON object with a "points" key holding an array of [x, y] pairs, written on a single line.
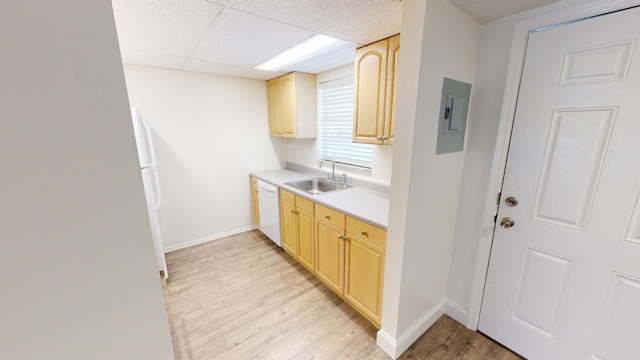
{"points": [[564, 280]]}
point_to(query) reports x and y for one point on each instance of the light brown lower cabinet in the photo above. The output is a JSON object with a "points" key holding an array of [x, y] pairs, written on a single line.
{"points": [[345, 253], [330, 247], [364, 267], [254, 192], [297, 224], [350, 260]]}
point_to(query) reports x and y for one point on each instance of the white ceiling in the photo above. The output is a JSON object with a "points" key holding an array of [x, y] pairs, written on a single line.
{"points": [[230, 37], [487, 10]]}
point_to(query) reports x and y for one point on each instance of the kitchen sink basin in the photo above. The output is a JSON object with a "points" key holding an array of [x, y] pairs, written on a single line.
{"points": [[317, 186]]}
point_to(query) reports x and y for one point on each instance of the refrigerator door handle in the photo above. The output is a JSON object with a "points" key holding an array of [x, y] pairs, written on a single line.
{"points": [[152, 151], [152, 154], [159, 192]]}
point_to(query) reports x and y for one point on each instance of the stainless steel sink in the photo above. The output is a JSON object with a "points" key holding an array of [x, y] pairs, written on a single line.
{"points": [[317, 186]]}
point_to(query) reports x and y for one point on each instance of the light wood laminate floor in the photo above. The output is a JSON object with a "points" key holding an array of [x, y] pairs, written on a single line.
{"points": [[244, 298]]}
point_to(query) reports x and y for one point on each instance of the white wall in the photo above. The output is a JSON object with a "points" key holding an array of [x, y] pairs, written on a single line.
{"points": [[210, 131], [424, 187], [79, 274], [479, 186], [487, 91]]}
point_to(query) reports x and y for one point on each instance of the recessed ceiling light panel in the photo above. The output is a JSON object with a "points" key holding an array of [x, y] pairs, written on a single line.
{"points": [[313, 46]]}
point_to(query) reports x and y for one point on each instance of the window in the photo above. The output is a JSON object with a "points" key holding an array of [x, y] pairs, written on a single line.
{"points": [[335, 113]]}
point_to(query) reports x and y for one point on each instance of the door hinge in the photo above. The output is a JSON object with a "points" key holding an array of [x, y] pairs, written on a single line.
{"points": [[498, 198], [495, 218]]}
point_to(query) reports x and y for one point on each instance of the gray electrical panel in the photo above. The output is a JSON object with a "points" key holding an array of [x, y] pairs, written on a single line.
{"points": [[452, 123]]}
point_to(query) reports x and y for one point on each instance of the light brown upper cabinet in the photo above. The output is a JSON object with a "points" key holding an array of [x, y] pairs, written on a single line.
{"points": [[376, 70], [292, 105]]}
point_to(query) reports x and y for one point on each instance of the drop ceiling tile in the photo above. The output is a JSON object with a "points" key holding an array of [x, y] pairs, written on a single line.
{"points": [[228, 70], [358, 21], [242, 39], [339, 56], [169, 27], [136, 57]]}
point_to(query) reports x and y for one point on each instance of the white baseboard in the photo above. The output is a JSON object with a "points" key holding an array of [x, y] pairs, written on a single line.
{"points": [[395, 347], [455, 311], [386, 343], [187, 244]]}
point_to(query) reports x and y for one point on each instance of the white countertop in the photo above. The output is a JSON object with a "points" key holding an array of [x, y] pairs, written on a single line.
{"points": [[364, 204]]}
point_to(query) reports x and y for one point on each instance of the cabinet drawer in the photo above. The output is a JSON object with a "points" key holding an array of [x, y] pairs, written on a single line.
{"points": [[287, 196], [304, 204], [329, 215], [368, 232]]}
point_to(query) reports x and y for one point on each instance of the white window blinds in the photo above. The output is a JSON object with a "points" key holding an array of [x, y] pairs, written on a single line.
{"points": [[335, 114]]}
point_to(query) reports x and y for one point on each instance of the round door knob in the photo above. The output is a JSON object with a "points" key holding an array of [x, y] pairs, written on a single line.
{"points": [[507, 222], [511, 201], [327, 217], [364, 233]]}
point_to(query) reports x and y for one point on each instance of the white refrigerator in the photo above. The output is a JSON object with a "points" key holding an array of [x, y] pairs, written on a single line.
{"points": [[153, 195]]}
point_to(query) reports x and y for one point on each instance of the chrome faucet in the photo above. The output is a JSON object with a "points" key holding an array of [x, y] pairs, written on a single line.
{"points": [[344, 179], [333, 168]]}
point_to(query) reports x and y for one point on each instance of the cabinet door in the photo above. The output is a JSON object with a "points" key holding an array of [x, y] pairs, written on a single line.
{"points": [[288, 219], [364, 276], [256, 210], [330, 255], [370, 92], [289, 114], [304, 250], [275, 107], [392, 88]]}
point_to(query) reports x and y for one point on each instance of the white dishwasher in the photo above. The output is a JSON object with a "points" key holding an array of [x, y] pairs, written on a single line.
{"points": [[269, 208]]}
